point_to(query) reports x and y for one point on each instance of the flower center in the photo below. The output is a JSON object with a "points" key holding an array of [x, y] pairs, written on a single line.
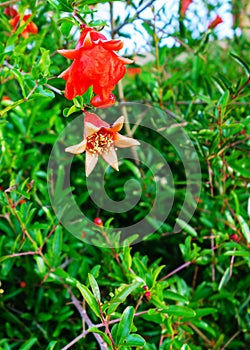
{"points": [[100, 141]]}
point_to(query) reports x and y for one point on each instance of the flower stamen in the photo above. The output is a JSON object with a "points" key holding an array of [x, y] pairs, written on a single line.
{"points": [[100, 142]]}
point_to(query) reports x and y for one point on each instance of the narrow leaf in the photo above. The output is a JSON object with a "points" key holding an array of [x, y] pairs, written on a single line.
{"points": [[94, 287], [125, 325], [90, 299]]}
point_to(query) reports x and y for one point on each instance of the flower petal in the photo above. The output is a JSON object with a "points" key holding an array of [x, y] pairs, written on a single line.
{"points": [[71, 54], [111, 158], [90, 129], [113, 45], [90, 162], [65, 74], [77, 149], [122, 141], [118, 124], [87, 43]]}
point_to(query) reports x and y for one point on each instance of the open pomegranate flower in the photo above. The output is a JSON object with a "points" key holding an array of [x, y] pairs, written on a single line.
{"points": [[15, 22], [100, 139], [96, 64]]}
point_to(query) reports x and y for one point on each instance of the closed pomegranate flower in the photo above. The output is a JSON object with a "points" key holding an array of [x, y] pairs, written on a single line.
{"points": [[96, 64], [100, 139], [215, 22]]}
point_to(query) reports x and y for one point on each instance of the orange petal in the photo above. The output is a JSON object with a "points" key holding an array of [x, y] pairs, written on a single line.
{"points": [[90, 163], [122, 141], [87, 44], [77, 149], [65, 74], [125, 60], [113, 45], [71, 54], [118, 124], [111, 158]]}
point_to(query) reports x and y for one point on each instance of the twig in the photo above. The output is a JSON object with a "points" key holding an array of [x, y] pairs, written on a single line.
{"points": [[176, 270], [231, 339], [86, 319], [99, 325], [129, 20], [212, 249], [200, 333], [6, 3], [53, 89]]}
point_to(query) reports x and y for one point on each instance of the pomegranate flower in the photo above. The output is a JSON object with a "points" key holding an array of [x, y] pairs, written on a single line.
{"points": [[215, 22], [100, 139], [94, 64], [15, 22]]}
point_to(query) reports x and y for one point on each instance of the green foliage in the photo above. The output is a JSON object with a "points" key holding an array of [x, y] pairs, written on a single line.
{"points": [[186, 290]]}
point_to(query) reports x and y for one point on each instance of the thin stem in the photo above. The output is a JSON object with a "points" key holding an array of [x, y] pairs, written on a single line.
{"points": [[212, 249], [200, 333], [86, 319], [130, 20], [6, 3], [176, 270], [231, 339], [99, 325], [53, 89]]}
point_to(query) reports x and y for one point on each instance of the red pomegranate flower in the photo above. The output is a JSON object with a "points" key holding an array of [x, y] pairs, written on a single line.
{"points": [[100, 139], [15, 22], [94, 64], [215, 22]]}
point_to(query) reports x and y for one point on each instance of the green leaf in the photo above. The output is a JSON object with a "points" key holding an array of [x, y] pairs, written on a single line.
{"points": [[241, 62], [51, 345], [244, 228], [205, 311], [186, 227], [175, 296], [225, 278], [57, 242], [89, 297], [94, 287], [102, 334], [28, 344], [61, 5], [123, 293], [66, 28], [20, 80], [178, 310], [125, 325], [133, 340]]}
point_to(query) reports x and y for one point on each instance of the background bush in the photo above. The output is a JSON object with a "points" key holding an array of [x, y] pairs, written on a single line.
{"points": [[172, 291]]}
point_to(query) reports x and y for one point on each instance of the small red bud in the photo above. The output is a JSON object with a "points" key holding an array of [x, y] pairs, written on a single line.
{"points": [[145, 287], [98, 221], [22, 284], [234, 237], [22, 201], [147, 295], [1, 188], [84, 234]]}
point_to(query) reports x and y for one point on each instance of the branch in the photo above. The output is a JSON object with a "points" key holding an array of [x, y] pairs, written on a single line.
{"points": [[86, 319], [128, 20]]}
